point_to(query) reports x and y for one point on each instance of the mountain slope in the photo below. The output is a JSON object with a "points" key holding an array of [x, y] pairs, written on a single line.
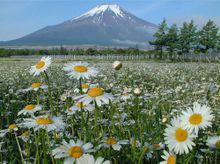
{"points": [[102, 25]]}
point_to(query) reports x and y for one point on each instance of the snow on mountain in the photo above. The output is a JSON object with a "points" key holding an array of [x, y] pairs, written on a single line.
{"points": [[117, 10]]}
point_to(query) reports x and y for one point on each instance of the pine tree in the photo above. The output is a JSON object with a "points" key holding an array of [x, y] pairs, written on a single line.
{"points": [[161, 39], [187, 37], [209, 36], [172, 39]]}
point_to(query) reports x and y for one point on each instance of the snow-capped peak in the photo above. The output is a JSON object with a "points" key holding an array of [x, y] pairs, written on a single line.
{"points": [[102, 8]]}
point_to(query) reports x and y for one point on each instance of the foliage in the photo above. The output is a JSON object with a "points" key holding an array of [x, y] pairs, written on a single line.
{"points": [[186, 38]]}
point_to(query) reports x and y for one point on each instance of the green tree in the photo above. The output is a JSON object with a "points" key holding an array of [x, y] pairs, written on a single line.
{"points": [[172, 39], [187, 37], [209, 36], [160, 38]]}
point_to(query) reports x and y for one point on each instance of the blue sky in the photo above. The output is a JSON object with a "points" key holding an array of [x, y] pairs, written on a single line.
{"points": [[21, 17]]}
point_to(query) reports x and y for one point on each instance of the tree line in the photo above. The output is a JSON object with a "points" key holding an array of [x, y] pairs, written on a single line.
{"points": [[64, 51], [172, 40]]}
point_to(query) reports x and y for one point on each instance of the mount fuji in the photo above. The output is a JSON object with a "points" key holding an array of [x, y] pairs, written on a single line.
{"points": [[104, 25]]}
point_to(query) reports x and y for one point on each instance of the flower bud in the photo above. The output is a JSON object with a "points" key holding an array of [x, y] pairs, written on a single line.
{"points": [[137, 91], [117, 65]]}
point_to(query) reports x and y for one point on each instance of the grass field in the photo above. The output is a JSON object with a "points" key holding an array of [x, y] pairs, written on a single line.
{"points": [[132, 115]]}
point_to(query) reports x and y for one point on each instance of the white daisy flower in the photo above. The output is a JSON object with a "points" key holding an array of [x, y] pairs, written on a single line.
{"points": [[80, 70], [30, 109], [44, 122], [158, 146], [96, 94], [148, 150], [169, 158], [85, 87], [114, 143], [78, 106], [213, 142], [37, 86], [25, 136], [73, 151], [41, 66], [199, 117], [89, 159], [126, 96], [11, 127], [178, 138]]}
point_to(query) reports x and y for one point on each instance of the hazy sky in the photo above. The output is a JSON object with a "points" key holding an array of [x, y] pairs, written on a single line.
{"points": [[21, 17]]}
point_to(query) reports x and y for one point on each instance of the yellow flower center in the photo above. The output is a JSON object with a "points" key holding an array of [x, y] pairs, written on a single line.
{"points": [[111, 141], [12, 126], [134, 143], [80, 68], [156, 146], [40, 64], [195, 119], [25, 134], [171, 159], [85, 86], [80, 105], [35, 85], [75, 151], [94, 92], [181, 135], [44, 121], [29, 107], [217, 144], [125, 94]]}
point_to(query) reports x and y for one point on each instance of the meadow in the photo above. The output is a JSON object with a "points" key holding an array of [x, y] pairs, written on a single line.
{"points": [[62, 111]]}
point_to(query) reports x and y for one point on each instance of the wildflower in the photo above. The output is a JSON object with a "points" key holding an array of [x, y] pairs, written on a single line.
{"points": [[158, 146], [44, 122], [41, 66], [137, 91], [117, 65], [125, 96], [134, 142], [169, 158], [79, 106], [85, 87], [213, 142], [89, 159], [24, 136], [199, 117], [80, 70], [96, 94], [177, 138], [73, 151], [37, 86], [11, 128], [114, 143], [148, 150], [30, 109]]}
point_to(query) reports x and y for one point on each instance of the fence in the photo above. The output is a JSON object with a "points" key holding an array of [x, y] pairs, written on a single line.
{"points": [[189, 57]]}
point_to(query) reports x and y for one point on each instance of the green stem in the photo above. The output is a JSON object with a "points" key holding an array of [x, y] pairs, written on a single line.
{"points": [[19, 147], [44, 147], [95, 117], [49, 91], [36, 144]]}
